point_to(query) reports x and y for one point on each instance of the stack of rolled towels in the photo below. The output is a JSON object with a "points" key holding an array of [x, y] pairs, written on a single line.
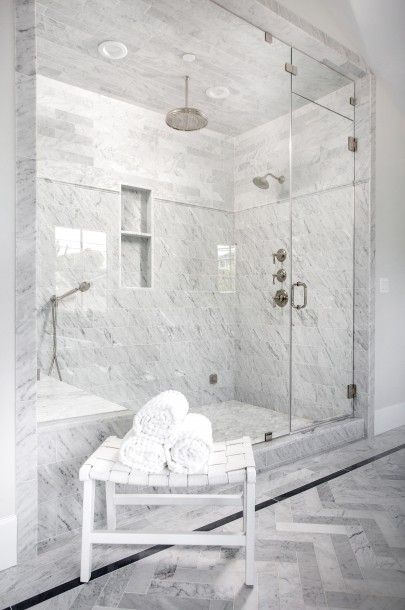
{"points": [[165, 435]]}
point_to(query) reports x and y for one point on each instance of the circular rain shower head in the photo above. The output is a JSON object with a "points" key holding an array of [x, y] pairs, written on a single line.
{"points": [[186, 118]]}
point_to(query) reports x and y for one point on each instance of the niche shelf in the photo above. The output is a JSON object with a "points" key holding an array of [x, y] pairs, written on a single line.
{"points": [[136, 237]]}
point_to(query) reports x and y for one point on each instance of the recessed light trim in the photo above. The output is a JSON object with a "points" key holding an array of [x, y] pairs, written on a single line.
{"points": [[189, 58], [217, 93], [112, 49]]}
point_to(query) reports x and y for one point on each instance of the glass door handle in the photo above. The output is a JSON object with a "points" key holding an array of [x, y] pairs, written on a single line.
{"points": [[298, 284]]}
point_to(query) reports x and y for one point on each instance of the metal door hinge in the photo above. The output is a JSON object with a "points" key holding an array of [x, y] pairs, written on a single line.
{"points": [[351, 390], [353, 101], [268, 436], [352, 144], [268, 37], [291, 69]]}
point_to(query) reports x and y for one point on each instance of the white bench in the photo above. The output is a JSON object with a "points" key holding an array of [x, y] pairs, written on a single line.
{"points": [[231, 462]]}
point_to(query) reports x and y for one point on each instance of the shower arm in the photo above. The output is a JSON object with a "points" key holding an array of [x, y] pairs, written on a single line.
{"points": [[187, 78], [273, 176]]}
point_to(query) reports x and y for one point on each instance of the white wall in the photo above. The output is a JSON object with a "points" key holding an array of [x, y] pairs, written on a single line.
{"points": [[390, 263], [7, 275], [390, 208]]}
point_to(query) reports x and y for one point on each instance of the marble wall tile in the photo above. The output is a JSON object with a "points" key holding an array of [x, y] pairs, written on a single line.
{"points": [[25, 350], [273, 17], [125, 345], [130, 145], [63, 448], [322, 251]]}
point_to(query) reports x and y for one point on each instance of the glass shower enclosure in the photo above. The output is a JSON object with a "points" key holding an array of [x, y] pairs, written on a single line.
{"points": [[220, 261]]}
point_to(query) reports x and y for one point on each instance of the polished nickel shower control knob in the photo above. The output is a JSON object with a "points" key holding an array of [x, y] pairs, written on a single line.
{"points": [[281, 275], [280, 255], [281, 298]]}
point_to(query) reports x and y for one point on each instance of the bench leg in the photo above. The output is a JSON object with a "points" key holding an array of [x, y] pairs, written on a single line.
{"points": [[249, 521], [111, 508], [87, 528]]}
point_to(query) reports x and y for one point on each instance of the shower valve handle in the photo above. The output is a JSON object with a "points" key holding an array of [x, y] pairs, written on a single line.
{"points": [[280, 255], [281, 275]]}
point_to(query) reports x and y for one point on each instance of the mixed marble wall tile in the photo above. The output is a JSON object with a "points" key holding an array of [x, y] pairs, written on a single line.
{"points": [[94, 140], [263, 330], [26, 267], [123, 344], [128, 344], [317, 231]]}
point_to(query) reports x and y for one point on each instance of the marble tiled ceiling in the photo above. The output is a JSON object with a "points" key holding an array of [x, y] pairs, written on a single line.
{"points": [[229, 51]]}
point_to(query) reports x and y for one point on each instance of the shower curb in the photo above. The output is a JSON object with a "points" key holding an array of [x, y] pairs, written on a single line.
{"points": [[299, 445]]}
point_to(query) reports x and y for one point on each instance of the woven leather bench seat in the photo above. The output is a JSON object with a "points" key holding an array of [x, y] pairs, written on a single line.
{"points": [[230, 462]]}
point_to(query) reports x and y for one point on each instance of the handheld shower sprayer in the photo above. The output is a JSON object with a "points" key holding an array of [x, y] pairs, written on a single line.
{"points": [[82, 287]]}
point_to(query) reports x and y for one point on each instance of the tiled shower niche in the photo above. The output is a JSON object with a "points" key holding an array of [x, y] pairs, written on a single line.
{"points": [[136, 243]]}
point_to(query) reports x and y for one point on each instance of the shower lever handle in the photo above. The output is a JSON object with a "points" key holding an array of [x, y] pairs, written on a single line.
{"points": [[298, 284], [280, 255]]}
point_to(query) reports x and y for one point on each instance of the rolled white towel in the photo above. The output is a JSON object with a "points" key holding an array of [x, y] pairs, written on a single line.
{"points": [[162, 416], [191, 450], [142, 452]]}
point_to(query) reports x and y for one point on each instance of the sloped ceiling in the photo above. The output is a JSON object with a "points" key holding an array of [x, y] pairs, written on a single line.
{"points": [[373, 28]]}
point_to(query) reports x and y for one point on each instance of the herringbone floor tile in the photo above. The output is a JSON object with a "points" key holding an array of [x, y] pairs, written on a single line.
{"points": [[340, 545]]}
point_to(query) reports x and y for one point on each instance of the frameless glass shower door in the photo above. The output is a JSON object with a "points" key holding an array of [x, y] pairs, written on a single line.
{"points": [[322, 242]]}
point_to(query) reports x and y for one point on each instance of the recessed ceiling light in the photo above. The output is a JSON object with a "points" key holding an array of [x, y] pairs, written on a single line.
{"points": [[112, 49], [189, 57], [218, 93]]}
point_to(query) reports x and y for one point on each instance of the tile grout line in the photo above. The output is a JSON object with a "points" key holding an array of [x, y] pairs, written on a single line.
{"points": [[112, 567]]}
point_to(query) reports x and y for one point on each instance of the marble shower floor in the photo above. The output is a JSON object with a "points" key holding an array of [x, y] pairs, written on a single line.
{"points": [[234, 419], [339, 545], [60, 402]]}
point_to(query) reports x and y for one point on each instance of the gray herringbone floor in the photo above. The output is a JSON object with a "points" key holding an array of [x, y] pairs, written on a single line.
{"points": [[339, 545]]}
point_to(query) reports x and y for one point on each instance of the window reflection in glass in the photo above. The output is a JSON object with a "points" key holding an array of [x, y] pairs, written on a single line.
{"points": [[81, 255], [226, 267]]}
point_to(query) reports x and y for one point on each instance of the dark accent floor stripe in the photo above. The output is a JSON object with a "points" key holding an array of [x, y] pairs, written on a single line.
{"points": [[116, 565]]}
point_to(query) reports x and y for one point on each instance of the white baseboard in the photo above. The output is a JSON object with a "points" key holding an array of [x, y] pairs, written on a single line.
{"points": [[389, 417], [8, 537]]}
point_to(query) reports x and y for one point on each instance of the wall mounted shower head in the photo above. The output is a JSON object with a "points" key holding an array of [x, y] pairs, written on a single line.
{"points": [[82, 287], [262, 183], [186, 119]]}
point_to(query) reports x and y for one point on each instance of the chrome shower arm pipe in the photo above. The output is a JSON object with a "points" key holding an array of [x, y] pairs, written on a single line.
{"points": [[279, 179]]}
